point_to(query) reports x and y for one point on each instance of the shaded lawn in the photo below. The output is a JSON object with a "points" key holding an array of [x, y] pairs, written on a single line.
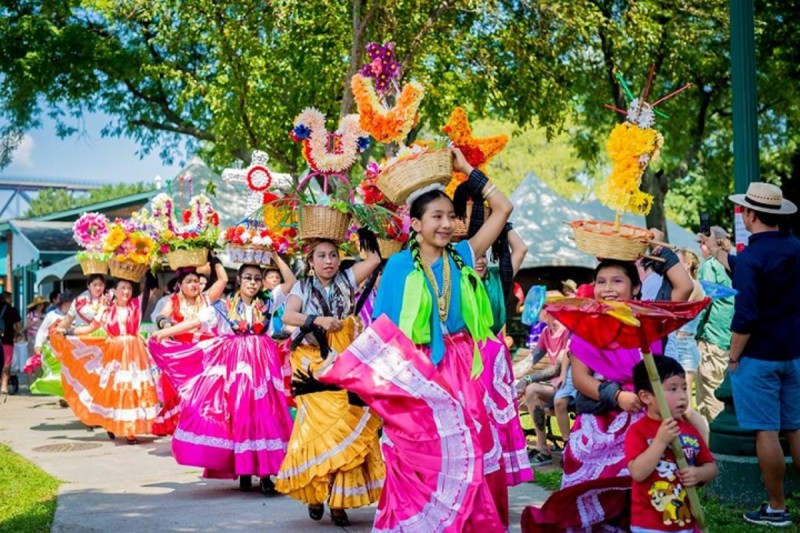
{"points": [[27, 495]]}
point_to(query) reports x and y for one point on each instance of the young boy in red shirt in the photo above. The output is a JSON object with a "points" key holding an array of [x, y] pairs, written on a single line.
{"points": [[659, 501]]}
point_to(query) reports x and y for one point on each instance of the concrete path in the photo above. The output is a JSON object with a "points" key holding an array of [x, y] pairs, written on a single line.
{"points": [[114, 487]]}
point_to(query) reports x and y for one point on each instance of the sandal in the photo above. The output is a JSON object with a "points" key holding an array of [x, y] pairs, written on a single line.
{"points": [[131, 440], [111, 436], [541, 459], [316, 512], [245, 483], [339, 517]]}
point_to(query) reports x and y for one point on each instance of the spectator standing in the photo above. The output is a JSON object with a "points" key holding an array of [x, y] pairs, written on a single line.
{"points": [[33, 320], [764, 359], [55, 301], [11, 326], [714, 329]]}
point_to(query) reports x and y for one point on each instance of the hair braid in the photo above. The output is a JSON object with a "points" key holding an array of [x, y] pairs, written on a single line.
{"points": [[457, 258], [413, 247]]}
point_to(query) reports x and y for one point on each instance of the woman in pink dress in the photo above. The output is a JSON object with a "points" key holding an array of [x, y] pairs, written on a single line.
{"points": [[235, 420], [185, 304]]}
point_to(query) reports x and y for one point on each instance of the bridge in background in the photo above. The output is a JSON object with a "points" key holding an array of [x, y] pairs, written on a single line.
{"points": [[15, 192]]}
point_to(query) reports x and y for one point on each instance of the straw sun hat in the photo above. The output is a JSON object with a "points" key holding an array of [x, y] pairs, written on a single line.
{"points": [[766, 198]]}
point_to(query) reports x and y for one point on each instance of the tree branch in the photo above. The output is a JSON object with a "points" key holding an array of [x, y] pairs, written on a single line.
{"points": [[356, 52], [174, 128], [423, 31]]}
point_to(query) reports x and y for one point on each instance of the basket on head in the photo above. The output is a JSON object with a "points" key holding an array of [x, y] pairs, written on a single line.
{"points": [[127, 270], [387, 247], [249, 254], [609, 240], [193, 257], [462, 226], [322, 222], [412, 173], [92, 265]]}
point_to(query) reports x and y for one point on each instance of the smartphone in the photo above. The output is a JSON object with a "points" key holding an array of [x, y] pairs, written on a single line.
{"points": [[705, 223]]}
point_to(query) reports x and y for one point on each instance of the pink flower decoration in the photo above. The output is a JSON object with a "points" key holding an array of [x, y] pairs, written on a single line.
{"points": [[90, 230]]}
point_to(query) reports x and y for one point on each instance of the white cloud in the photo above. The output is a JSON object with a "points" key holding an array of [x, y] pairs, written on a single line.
{"points": [[23, 155]]}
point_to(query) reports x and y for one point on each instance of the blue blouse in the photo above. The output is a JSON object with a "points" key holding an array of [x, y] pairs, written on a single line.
{"points": [[390, 291]]}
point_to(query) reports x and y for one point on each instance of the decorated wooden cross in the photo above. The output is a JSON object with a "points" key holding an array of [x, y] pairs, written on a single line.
{"points": [[259, 179]]}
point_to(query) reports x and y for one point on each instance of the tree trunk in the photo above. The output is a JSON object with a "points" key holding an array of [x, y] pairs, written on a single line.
{"points": [[356, 52], [655, 183]]}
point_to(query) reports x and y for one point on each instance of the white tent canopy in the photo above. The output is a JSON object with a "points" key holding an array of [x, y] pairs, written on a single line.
{"points": [[539, 217]]}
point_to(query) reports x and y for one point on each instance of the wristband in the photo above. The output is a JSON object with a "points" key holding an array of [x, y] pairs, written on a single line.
{"points": [[732, 361], [309, 323], [69, 331]]}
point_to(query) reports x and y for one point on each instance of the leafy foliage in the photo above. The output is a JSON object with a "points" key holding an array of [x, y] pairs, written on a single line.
{"points": [[53, 200]]}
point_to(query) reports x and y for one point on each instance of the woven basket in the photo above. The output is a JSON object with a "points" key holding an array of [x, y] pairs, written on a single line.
{"points": [[462, 226], [609, 241], [388, 247], [93, 265], [127, 270], [402, 178], [322, 222], [249, 255], [194, 257]]}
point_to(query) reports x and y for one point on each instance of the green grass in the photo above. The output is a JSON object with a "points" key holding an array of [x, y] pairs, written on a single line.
{"points": [[27, 495], [720, 518]]}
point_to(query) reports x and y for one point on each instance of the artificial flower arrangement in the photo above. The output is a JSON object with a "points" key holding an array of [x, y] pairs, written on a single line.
{"points": [[252, 242], [185, 242], [90, 232], [131, 247], [478, 151], [374, 88], [632, 146]]}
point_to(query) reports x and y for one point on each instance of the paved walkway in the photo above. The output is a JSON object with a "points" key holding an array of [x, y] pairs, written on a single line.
{"points": [[113, 487]]}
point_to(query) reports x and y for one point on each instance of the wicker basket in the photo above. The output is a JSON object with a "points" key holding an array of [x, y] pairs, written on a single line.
{"points": [[249, 255], [462, 226], [609, 241], [127, 270], [92, 265], [322, 222], [194, 257], [387, 248], [402, 178]]}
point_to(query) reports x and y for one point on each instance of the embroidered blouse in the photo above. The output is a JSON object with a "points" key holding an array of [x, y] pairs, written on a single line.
{"points": [[336, 300]]}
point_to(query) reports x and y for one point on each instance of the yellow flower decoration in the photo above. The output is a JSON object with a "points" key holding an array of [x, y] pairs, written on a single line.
{"points": [[631, 149], [116, 236]]}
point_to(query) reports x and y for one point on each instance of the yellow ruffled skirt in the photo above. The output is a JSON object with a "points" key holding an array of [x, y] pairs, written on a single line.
{"points": [[334, 452]]}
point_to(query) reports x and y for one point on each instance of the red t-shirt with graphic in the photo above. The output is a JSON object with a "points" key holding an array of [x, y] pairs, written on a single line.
{"points": [[660, 502]]}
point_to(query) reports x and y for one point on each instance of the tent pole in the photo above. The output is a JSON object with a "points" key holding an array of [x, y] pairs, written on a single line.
{"points": [[677, 449]]}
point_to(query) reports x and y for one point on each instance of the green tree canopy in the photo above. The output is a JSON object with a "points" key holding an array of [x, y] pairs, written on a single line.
{"points": [[49, 201]]}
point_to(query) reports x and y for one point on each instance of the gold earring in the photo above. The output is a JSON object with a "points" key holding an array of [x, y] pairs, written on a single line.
{"points": [[419, 238]]}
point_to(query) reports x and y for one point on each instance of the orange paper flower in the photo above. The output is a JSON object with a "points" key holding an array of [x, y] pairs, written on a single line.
{"points": [[477, 151], [387, 125]]}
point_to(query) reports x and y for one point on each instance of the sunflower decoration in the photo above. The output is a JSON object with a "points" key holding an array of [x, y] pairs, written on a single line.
{"points": [[477, 150]]}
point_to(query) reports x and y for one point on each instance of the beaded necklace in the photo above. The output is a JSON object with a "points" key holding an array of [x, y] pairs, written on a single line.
{"points": [[189, 310], [443, 296]]}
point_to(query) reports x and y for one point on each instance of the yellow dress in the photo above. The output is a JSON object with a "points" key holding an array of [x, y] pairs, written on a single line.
{"points": [[334, 452]]}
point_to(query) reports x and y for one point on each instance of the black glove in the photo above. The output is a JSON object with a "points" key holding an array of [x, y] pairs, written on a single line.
{"points": [[306, 383], [213, 260], [670, 260], [367, 240], [355, 399]]}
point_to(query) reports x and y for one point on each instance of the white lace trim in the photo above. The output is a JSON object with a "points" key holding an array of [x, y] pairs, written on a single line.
{"points": [[501, 381], [110, 413], [594, 449], [332, 452], [272, 445], [358, 491], [458, 462]]}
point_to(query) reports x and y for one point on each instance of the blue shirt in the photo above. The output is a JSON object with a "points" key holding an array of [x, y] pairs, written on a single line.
{"points": [[767, 276], [393, 281]]}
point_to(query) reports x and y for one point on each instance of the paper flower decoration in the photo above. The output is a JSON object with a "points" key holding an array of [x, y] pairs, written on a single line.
{"points": [[90, 230], [477, 150], [261, 181], [384, 124], [328, 152], [382, 66]]}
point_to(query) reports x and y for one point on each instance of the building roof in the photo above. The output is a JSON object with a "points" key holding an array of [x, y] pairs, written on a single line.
{"points": [[121, 207], [48, 237], [540, 215]]}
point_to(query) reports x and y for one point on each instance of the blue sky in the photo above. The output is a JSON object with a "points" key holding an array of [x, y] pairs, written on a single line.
{"points": [[86, 156]]}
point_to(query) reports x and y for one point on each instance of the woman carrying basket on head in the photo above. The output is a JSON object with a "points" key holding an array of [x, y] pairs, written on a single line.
{"points": [[108, 382], [334, 454], [185, 303], [234, 419]]}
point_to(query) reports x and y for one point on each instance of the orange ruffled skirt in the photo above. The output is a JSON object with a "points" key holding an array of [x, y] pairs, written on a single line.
{"points": [[108, 382], [334, 452]]}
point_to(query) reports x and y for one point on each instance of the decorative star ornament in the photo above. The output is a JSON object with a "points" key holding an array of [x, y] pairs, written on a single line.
{"points": [[259, 179], [477, 150]]}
